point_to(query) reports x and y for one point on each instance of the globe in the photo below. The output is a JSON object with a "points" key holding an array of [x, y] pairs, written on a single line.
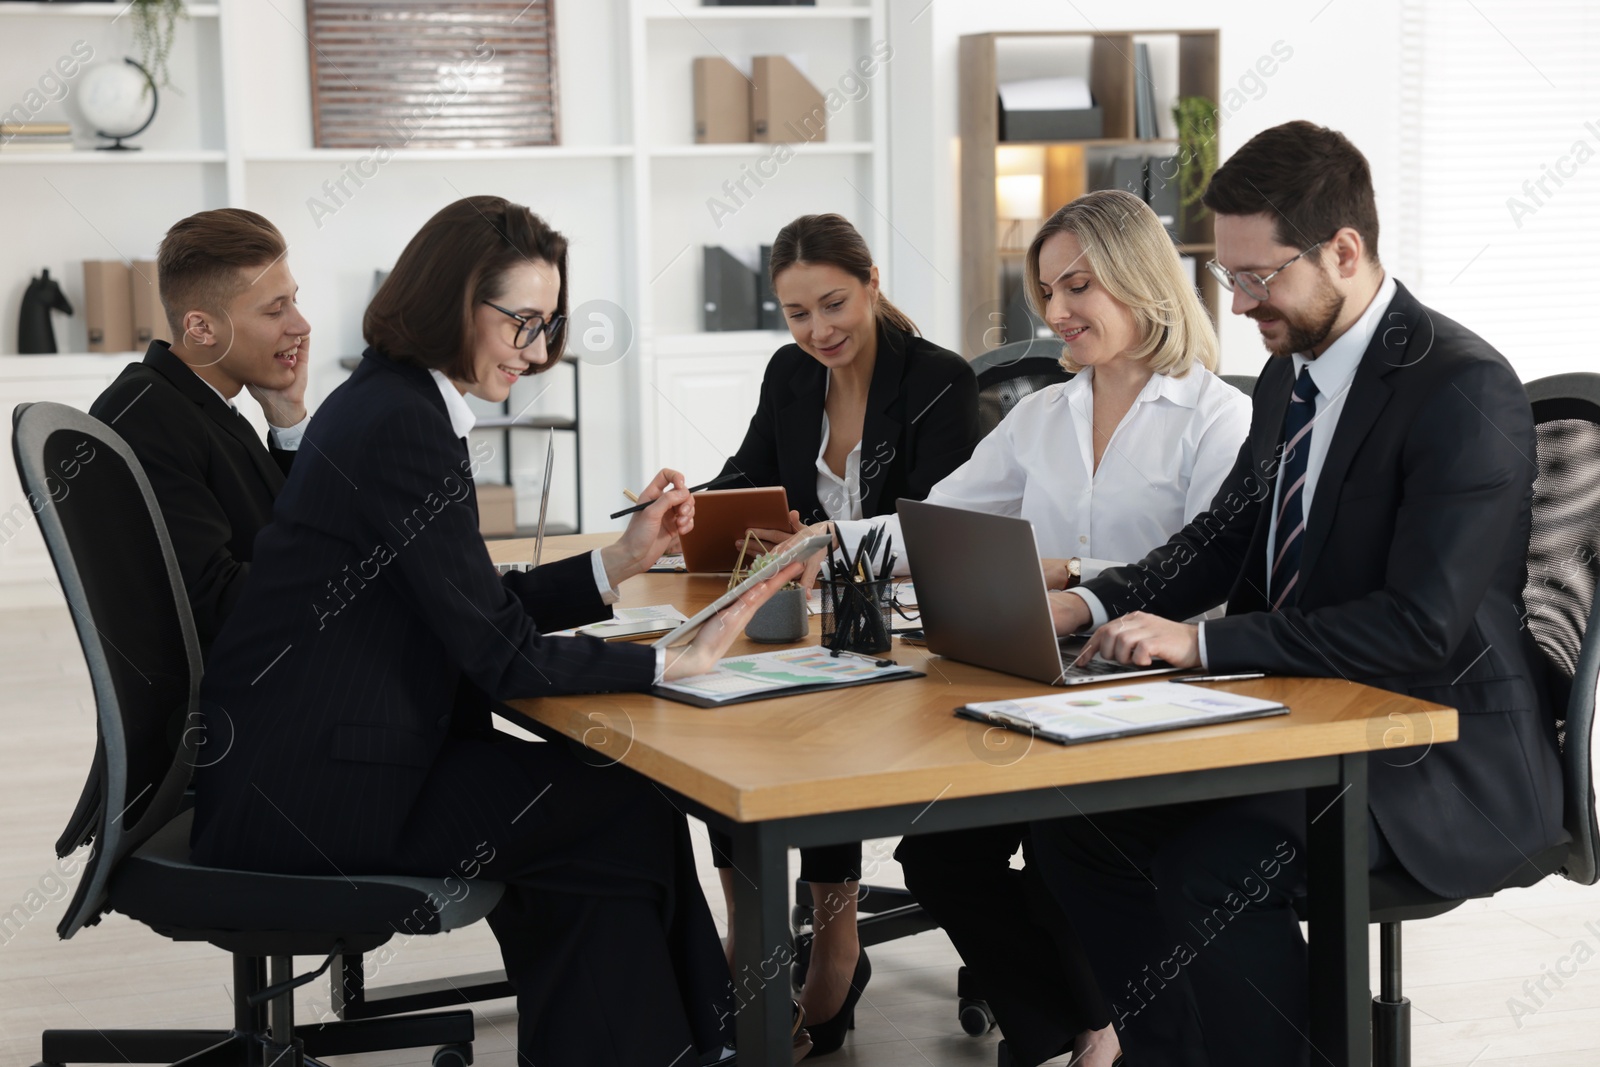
{"points": [[117, 98]]}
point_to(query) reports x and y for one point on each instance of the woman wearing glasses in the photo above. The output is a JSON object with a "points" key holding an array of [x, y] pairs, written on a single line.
{"points": [[1106, 467], [358, 673]]}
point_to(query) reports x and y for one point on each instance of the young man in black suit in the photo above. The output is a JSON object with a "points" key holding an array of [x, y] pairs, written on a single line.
{"points": [[1374, 528], [230, 303]]}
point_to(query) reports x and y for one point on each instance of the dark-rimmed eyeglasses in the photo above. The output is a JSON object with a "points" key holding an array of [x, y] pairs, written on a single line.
{"points": [[529, 329], [1249, 282]]}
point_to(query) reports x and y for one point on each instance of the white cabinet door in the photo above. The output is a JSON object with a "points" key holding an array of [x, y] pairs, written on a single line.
{"points": [[703, 408]]}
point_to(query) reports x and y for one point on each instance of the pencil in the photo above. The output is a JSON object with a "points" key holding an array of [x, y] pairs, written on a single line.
{"points": [[693, 489]]}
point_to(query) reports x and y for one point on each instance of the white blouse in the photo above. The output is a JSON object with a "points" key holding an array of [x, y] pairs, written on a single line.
{"points": [[1164, 463], [840, 497]]}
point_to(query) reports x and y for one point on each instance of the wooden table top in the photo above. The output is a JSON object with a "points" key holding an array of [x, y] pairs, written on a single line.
{"points": [[899, 743]]}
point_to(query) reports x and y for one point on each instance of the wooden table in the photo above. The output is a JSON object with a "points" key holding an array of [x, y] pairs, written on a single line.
{"points": [[890, 759]]}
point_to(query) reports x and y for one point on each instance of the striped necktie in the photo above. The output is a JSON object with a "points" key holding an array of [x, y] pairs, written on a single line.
{"points": [[1285, 577]]}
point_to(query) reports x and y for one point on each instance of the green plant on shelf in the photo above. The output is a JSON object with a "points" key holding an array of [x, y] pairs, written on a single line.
{"points": [[155, 24], [1196, 118]]}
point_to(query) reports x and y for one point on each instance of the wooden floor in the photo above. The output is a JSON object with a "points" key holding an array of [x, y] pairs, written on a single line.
{"points": [[1466, 971]]}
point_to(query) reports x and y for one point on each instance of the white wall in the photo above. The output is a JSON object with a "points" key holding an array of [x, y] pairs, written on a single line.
{"points": [[1344, 73]]}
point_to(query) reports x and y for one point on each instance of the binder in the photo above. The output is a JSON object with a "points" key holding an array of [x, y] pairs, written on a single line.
{"points": [[1161, 188], [730, 292], [149, 317], [108, 305], [721, 102], [768, 313], [785, 107]]}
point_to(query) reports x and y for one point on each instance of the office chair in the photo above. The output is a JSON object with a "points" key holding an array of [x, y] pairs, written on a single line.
{"points": [[1562, 611], [1010, 372], [115, 562], [1245, 383]]}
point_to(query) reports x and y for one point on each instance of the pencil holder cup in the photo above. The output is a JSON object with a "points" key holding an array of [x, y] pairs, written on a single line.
{"points": [[782, 620], [857, 616]]}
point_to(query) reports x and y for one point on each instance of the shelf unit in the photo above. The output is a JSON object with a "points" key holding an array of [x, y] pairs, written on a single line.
{"points": [[632, 200], [1066, 166]]}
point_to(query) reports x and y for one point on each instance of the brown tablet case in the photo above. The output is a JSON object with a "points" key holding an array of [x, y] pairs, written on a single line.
{"points": [[721, 518]]}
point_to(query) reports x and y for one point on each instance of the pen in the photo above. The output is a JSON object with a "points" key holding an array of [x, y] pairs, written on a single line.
{"points": [[692, 489], [870, 659], [1218, 677]]}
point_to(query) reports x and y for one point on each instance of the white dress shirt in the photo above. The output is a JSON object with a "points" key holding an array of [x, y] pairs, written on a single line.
{"points": [[286, 438], [1162, 466], [462, 420], [1333, 371]]}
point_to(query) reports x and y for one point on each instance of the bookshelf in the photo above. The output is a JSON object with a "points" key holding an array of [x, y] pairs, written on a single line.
{"points": [[1184, 63]]}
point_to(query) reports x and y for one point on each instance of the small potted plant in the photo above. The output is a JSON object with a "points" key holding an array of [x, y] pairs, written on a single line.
{"points": [[783, 619], [155, 24]]}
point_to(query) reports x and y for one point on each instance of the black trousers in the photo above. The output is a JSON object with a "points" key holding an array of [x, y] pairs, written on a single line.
{"points": [[1016, 941], [605, 933], [1187, 918]]}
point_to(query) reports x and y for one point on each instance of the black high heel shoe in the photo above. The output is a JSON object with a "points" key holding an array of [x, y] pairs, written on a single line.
{"points": [[828, 1036]]}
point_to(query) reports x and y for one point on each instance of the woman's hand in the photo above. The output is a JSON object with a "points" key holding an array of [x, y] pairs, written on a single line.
{"points": [[1057, 573], [651, 531], [713, 640]]}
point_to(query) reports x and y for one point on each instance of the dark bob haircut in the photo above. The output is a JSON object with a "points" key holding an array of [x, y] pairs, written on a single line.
{"points": [[424, 313]]}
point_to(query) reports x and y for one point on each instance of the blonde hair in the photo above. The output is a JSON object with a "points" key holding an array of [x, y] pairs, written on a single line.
{"points": [[1131, 255]]}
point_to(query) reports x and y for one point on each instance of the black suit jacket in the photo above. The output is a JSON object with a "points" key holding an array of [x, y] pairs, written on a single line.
{"points": [[1411, 580], [373, 630], [921, 424], [212, 476]]}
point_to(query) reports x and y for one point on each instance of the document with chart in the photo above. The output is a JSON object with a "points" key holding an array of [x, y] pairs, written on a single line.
{"points": [[1119, 711], [781, 673]]}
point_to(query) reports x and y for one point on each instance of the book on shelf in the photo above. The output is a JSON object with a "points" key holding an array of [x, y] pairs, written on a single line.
{"points": [[1145, 124], [35, 129]]}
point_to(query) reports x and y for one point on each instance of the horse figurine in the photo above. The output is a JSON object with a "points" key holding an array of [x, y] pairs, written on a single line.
{"points": [[35, 334]]}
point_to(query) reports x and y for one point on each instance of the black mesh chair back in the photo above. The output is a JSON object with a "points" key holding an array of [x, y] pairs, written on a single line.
{"points": [[1011, 372], [1563, 572], [102, 527]]}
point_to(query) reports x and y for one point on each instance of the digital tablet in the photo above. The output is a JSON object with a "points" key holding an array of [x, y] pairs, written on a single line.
{"points": [[721, 518], [805, 549]]}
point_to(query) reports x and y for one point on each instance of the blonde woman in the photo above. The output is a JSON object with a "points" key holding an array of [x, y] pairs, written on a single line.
{"points": [[1106, 466]]}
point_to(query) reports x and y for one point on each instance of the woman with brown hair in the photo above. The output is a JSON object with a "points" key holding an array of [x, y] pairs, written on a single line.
{"points": [[858, 412], [360, 669]]}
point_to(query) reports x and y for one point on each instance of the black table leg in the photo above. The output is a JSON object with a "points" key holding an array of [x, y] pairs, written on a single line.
{"points": [[762, 945], [1336, 894]]}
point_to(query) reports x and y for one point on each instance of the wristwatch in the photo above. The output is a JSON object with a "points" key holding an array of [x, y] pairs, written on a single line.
{"points": [[1074, 571]]}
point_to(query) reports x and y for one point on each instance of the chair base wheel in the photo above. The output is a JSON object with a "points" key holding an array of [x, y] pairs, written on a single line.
{"points": [[976, 1018], [452, 1056]]}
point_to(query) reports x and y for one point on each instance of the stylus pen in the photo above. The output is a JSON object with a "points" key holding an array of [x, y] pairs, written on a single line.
{"points": [[1218, 677], [693, 489]]}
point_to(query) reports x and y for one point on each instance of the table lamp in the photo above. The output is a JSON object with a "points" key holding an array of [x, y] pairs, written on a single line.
{"points": [[1020, 198]]}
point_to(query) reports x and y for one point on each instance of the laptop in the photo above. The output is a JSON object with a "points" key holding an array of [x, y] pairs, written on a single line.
{"points": [[980, 587]]}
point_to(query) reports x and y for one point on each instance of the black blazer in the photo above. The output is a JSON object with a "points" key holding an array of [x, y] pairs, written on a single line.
{"points": [[375, 628], [212, 476], [921, 424], [1411, 580]]}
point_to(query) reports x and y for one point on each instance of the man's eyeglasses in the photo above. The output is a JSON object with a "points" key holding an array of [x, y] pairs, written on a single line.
{"points": [[529, 329], [1252, 284]]}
